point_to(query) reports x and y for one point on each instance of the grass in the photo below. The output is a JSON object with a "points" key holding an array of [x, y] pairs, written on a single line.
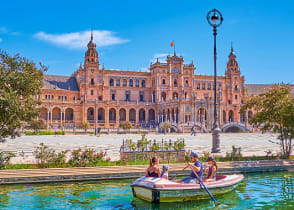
{"points": [[45, 132]]}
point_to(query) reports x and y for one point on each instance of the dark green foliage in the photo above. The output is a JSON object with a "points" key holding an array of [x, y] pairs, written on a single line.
{"points": [[274, 112], [20, 83]]}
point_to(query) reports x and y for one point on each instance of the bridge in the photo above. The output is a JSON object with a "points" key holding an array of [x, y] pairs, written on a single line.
{"points": [[236, 127]]}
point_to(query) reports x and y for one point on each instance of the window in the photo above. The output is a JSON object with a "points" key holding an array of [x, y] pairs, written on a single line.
{"points": [[65, 98], [91, 112], [84, 78], [198, 86], [219, 86], [236, 97], [74, 98], [100, 98], [143, 83], [187, 82], [128, 96], [117, 83], [163, 81], [187, 72], [111, 82], [141, 96], [113, 96], [236, 87], [208, 86], [92, 81], [125, 83], [229, 86], [92, 92], [175, 82], [137, 83], [45, 96], [131, 83], [203, 86], [59, 97], [229, 101]]}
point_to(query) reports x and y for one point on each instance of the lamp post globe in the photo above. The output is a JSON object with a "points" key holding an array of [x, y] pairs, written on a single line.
{"points": [[215, 19]]}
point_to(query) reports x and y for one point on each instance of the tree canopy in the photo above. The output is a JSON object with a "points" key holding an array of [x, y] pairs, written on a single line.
{"points": [[274, 112], [20, 84]]}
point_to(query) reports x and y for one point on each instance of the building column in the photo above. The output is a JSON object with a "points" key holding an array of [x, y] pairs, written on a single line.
{"points": [[117, 118], [106, 116]]}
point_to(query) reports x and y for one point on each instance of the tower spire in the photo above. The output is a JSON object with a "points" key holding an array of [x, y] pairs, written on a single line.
{"points": [[91, 34], [232, 50]]}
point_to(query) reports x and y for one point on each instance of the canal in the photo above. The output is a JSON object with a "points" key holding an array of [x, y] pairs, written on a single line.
{"points": [[273, 190]]}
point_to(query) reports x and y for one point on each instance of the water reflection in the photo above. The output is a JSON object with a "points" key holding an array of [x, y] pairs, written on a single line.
{"points": [[257, 191]]}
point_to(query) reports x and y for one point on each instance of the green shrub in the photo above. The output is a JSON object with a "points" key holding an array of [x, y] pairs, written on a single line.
{"points": [[87, 157], [125, 125], [5, 158], [47, 157], [44, 132]]}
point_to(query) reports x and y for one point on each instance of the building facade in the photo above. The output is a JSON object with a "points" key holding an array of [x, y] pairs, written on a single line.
{"points": [[170, 92]]}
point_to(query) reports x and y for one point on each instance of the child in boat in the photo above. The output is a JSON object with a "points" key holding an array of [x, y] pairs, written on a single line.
{"points": [[153, 169], [211, 170], [164, 173]]}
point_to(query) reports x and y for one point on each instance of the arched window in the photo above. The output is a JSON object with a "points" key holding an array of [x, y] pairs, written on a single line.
{"points": [[92, 81], [111, 82], [125, 83], [117, 82], [187, 82], [198, 86], [131, 83], [137, 83], [203, 86], [143, 83], [175, 82], [208, 86]]}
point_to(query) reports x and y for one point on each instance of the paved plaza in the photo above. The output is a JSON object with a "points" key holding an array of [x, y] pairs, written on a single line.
{"points": [[251, 143]]}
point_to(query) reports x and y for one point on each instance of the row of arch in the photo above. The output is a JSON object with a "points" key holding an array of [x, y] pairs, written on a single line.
{"points": [[57, 114], [122, 115], [125, 81], [231, 117]]}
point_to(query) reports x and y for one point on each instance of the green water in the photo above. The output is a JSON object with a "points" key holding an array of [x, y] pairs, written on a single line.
{"points": [[257, 191]]}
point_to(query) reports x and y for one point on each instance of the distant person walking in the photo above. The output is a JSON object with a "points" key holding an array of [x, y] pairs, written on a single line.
{"points": [[193, 131]]}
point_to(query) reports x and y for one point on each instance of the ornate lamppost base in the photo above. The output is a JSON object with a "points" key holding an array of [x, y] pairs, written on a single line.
{"points": [[215, 141]]}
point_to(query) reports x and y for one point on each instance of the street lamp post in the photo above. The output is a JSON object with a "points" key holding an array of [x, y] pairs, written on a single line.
{"points": [[215, 19]]}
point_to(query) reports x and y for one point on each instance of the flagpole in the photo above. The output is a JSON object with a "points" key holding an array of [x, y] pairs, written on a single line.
{"points": [[174, 48]]}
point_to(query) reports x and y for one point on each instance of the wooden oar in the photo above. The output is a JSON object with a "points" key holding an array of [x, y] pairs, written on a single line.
{"points": [[179, 173], [211, 196]]}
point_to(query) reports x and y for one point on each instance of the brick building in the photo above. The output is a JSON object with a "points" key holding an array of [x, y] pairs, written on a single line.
{"points": [[170, 91]]}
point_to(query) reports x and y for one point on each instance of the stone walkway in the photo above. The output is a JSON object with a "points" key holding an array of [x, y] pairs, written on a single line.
{"points": [[134, 171], [250, 143]]}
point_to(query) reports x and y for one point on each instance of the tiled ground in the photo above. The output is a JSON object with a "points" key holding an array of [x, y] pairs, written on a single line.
{"points": [[251, 144]]}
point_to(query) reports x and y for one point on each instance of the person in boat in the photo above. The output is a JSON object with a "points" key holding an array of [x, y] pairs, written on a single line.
{"points": [[164, 173], [153, 169], [211, 170], [197, 167]]}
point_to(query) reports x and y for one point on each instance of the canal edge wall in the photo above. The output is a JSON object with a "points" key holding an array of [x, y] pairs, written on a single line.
{"points": [[28, 176]]}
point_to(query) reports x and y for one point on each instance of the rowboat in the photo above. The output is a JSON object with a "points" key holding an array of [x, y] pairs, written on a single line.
{"points": [[156, 190]]}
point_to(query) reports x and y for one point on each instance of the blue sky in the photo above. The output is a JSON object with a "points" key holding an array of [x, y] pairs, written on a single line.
{"points": [[130, 34]]}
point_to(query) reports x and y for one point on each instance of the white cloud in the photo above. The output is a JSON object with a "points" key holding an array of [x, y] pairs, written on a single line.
{"points": [[79, 40], [161, 57], [1, 39], [144, 69]]}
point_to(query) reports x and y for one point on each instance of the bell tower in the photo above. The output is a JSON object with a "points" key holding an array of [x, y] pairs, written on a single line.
{"points": [[91, 55], [232, 65]]}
